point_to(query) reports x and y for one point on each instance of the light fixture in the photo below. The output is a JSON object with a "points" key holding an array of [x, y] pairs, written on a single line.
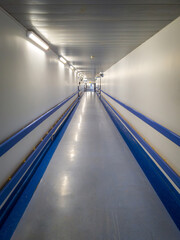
{"points": [[80, 75], [63, 60], [71, 67], [37, 40]]}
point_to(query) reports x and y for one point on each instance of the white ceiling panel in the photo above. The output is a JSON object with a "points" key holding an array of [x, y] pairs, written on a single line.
{"points": [[107, 30]]}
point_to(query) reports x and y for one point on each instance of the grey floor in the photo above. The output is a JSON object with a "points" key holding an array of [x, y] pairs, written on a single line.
{"points": [[94, 189]]}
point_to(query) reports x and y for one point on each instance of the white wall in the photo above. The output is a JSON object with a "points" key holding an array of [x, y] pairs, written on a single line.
{"points": [[31, 82], [148, 80]]}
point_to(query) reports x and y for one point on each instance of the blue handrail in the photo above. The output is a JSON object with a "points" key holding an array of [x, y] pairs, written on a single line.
{"points": [[13, 188], [169, 171], [165, 185], [10, 142], [164, 131]]}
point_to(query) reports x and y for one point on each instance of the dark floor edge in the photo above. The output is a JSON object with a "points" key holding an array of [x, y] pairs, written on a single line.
{"points": [[164, 189], [9, 226]]}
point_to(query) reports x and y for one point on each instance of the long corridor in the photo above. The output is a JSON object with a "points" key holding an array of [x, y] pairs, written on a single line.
{"points": [[93, 188]]}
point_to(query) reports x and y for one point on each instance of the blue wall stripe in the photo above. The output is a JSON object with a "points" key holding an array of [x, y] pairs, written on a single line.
{"points": [[12, 187], [168, 170], [10, 224], [9, 143], [165, 190], [164, 131]]}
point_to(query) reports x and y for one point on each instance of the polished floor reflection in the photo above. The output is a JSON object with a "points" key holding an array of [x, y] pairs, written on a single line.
{"points": [[94, 189]]}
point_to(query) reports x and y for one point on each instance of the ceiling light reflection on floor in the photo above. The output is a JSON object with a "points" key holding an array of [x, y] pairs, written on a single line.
{"points": [[76, 137], [72, 155], [65, 186], [80, 120], [83, 107]]}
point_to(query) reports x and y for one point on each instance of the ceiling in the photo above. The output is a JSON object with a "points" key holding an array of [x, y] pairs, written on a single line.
{"points": [[106, 30]]}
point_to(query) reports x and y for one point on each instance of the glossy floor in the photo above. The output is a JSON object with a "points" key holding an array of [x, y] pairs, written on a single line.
{"points": [[94, 189]]}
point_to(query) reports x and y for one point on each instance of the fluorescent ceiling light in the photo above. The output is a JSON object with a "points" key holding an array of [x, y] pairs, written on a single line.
{"points": [[63, 60], [71, 67], [37, 40]]}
